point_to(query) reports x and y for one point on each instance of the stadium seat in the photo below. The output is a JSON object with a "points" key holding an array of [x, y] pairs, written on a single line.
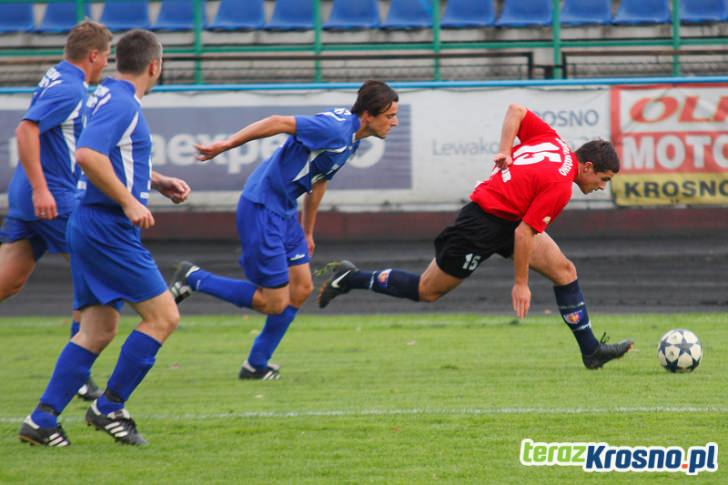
{"points": [[584, 12], [525, 13], [60, 17], [239, 15], [468, 14], [353, 14], [291, 15], [634, 12], [177, 15], [408, 14], [125, 15], [703, 10], [16, 17]]}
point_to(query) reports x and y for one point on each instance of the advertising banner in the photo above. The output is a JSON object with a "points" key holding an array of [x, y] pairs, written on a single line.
{"points": [[441, 149], [673, 143]]}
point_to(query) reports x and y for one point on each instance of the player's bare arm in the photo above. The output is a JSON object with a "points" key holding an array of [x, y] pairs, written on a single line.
{"points": [[311, 202], [270, 126], [522, 247], [28, 136], [173, 188], [99, 171], [509, 131]]}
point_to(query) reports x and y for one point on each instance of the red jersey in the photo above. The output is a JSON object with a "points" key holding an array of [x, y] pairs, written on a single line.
{"points": [[537, 187]]}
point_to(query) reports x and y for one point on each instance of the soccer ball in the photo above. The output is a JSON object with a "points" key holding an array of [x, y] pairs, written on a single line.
{"points": [[680, 351]]}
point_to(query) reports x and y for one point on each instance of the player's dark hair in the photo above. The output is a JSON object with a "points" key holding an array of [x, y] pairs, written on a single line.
{"points": [[136, 50], [601, 154], [85, 37], [375, 97]]}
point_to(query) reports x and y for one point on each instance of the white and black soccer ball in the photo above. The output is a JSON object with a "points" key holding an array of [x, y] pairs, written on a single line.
{"points": [[680, 351]]}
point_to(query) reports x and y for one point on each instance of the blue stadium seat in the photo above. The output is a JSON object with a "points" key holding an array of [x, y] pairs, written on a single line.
{"points": [[468, 14], [583, 12], [177, 15], [291, 15], [634, 12], [16, 17], [125, 15], [524, 13], [703, 10], [239, 15], [353, 14], [60, 17], [408, 14]]}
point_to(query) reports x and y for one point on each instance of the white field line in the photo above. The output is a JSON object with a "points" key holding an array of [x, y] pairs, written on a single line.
{"points": [[336, 413]]}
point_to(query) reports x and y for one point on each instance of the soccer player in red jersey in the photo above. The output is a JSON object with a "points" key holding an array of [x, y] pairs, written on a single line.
{"points": [[530, 185]]}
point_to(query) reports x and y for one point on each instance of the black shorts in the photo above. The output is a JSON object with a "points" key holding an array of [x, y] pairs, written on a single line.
{"points": [[474, 237]]}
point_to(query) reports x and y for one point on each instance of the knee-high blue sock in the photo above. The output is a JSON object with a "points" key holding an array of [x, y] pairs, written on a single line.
{"points": [[268, 339], [73, 368], [238, 292], [135, 359], [75, 327], [573, 310], [397, 283]]}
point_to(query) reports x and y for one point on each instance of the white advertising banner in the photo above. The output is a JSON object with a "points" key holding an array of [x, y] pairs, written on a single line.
{"points": [[431, 161]]}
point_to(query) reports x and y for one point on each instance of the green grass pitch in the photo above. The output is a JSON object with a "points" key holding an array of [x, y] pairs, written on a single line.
{"points": [[405, 399]]}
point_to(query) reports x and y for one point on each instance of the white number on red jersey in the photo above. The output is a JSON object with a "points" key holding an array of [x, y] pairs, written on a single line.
{"points": [[530, 154]]}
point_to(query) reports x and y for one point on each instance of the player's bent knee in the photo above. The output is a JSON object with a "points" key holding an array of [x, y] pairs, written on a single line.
{"points": [[301, 294], [566, 273], [171, 320]]}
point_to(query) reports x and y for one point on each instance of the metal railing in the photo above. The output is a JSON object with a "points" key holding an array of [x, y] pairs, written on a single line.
{"points": [[318, 49]]}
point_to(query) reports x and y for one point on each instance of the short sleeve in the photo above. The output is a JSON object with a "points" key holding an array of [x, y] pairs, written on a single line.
{"points": [[321, 131], [107, 121], [53, 106], [533, 126], [547, 205]]}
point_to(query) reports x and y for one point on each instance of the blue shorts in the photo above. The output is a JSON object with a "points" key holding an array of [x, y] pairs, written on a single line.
{"points": [[271, 243], [109, 265], [43, 235]]}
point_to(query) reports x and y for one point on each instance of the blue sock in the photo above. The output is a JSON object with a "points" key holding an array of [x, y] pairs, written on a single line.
{"points": [[75, 327], [268, 339], [397, 283], [573, 311], [238, 292], [72, 370], [135, 359]]}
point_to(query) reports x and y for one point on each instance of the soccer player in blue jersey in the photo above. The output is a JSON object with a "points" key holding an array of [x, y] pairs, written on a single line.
{"points": [[276, 248], [43, 190], [109, 265]]}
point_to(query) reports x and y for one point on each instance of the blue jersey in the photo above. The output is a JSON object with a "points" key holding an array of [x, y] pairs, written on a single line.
{"points": [[321, 146], [57, 108], [116, 127]]}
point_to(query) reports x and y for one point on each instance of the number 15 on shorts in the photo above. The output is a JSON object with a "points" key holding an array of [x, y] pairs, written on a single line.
{"points": [[471, 261]]}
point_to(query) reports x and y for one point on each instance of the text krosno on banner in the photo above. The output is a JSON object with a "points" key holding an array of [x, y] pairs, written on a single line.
{"points": [[673, 142]]}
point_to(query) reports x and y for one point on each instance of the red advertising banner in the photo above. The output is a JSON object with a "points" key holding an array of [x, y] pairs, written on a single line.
{"points": [[673, 143]]}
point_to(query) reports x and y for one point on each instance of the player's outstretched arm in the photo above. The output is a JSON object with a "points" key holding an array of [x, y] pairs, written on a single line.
{"points": [[28, 136], [99, 171], [172, 188], [311, 202], [272, 125], [523, 244], [511, 124]]}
